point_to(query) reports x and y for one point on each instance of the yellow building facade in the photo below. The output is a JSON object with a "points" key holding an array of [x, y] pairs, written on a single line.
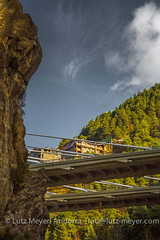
{"points": [[85, 147], [45, 154]]}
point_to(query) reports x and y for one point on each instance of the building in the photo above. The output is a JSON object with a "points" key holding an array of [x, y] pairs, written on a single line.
{"points": [[86, 147], [45, 154]]}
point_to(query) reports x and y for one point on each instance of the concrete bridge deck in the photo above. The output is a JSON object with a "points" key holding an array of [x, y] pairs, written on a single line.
{"points": [[104, 199], [87, 170]]}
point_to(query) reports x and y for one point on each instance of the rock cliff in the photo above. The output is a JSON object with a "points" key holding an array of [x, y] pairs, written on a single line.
{"points": [[20, 55], [26, 216]]}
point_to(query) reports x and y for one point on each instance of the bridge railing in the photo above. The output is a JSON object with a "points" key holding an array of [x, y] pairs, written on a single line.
{"points": [[50, 154]]}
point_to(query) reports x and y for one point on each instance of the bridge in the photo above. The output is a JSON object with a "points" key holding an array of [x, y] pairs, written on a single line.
{"points": [[104, 199], [92, 168]]}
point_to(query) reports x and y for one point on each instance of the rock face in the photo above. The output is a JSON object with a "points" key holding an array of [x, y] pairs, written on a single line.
{"points": [[26, 216], [20, 55]]}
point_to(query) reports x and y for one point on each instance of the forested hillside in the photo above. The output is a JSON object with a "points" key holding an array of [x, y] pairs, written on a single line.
{"points": [[137, 122]]}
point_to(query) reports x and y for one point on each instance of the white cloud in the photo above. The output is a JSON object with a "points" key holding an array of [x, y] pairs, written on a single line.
{"points": [[141, 61], [71, 69], [78, 63], [117, 85], [114, 60]]}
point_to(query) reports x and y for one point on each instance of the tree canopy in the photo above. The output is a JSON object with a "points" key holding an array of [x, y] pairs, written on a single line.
{"points": [[136, 122]]}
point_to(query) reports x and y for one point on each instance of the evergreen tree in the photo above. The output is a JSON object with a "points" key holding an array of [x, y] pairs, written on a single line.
{"points": [[136, 122]]}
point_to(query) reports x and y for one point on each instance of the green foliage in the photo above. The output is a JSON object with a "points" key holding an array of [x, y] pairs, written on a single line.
{"points": [[137, 122], [61, 144], [90, 233]]}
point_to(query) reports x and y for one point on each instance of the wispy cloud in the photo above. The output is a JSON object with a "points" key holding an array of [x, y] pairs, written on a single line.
{"points": [[140, 62], [72, 69], [82, 36], [114, 60], [81, 61]]}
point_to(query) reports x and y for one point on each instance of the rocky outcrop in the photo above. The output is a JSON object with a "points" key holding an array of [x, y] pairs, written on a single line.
{"points": [[26, 216], [20, 55]]}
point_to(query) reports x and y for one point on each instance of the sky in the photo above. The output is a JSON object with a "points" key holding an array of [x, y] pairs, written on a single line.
{"points": [[96, 54]]}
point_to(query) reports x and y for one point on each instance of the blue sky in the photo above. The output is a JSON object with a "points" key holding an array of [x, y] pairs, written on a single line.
{"points": [[96, 54]]}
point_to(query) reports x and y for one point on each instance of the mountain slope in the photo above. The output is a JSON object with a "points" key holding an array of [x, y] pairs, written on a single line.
{"points": [[137, 120]]}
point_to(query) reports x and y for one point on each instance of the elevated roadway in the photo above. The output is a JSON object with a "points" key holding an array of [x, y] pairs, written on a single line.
{"points": [[104, 199], [91, 169]]}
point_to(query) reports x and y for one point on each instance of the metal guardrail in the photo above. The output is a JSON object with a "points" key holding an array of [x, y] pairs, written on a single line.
{"points": [[90, 141], [104, 199], [62, 152], [101, 168]]}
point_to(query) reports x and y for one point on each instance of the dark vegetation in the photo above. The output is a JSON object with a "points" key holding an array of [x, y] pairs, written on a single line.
{"points": [[136, 122]]}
